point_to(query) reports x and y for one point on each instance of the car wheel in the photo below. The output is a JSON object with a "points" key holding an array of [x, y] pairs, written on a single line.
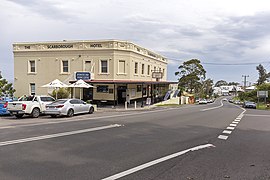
{"points": [[35, 113], [91, 110], [53, 115], [70, 113], [19, 115]]}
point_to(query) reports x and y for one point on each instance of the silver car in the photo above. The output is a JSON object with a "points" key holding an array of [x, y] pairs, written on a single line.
{"points": [[68, 107]]}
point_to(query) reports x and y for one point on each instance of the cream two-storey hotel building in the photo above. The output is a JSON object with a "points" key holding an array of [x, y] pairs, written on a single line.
{"points": [[119, 70]]}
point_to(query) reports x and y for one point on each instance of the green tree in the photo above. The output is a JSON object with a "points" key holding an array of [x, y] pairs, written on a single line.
{"points": [[233, 84], [191, 74], [263, 75], [221, 83], [5, 87], [62, 93], [208, 86]]}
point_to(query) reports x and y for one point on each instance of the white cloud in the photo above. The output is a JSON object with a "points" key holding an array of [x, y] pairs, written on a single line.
{"points": [[211, 30]]}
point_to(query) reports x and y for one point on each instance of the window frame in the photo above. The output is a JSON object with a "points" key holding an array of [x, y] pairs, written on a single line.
{"points": [[136, 68], [30, 67], [68, 66], [32, 86], [101, 68]]}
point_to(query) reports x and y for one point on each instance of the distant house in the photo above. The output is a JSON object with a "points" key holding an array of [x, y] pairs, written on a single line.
{"points": [[227, 90]]}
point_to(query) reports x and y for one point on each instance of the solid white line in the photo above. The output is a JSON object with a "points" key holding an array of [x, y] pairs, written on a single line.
{"points": [[257, 115], [223, 137], [231, 128], [227, 132], [213, 107], [233, 125], [151, 163], [5, 143]]}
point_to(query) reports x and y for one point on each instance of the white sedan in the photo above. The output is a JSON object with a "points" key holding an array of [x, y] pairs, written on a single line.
{"points": [[68, 107]]}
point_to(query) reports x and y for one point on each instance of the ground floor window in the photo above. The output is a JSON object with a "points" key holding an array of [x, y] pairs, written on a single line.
{"points": [[32, 88]]}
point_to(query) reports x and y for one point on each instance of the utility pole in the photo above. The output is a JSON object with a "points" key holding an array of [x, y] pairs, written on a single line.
{"points": [[245, 81]]}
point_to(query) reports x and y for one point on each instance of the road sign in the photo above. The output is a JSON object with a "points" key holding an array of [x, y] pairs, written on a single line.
{"points": [[262, 94]]}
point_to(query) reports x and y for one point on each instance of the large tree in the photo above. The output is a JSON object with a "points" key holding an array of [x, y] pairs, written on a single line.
{"points": [[221, 83], [263, 75], [5, 87], [191, 75]]}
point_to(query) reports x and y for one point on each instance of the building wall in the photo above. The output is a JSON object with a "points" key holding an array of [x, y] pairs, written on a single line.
{"points": [[48, 57]]}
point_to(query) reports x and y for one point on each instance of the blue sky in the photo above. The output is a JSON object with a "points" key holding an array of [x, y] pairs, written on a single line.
{"points": [[225, 32]]}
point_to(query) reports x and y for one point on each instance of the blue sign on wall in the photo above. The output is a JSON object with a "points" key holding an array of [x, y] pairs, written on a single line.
{"points": [[83, 75]]}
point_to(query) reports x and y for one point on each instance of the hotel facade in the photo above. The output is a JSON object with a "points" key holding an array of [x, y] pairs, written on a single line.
{"points": [[119, 70]]}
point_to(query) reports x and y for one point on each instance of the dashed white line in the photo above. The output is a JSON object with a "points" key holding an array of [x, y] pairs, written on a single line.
{"points": [[154, 162], [235, 122], [233, 125], [231, 128], [5, 143], [227, 132], [223, 137]]}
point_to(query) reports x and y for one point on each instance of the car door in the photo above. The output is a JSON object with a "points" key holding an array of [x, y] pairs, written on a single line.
{"points": [[83, 106], [75, 105]]}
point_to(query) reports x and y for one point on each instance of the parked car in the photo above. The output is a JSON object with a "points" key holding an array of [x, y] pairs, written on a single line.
{"points": [[68, 107], [202, 101], [3, 108], [31, 105], [249, 104]]}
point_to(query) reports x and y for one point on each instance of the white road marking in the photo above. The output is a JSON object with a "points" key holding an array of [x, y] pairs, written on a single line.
{"points": [[231, 128], [238, 118], [235, 122], [154, 162], [213, 107], [227, 132], [37, 138], [223, 137], [233, 125], [254, 115]]}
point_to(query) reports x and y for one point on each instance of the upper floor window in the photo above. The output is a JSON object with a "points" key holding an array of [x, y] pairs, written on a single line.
{"points": [[136, 68], [32, 66], [104, 66], [148, 70], [65, 66], [87, 66], [142, 68], [122, 67]]}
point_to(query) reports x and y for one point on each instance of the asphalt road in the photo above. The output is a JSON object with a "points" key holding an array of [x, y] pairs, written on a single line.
{"points": [[213, 141]]}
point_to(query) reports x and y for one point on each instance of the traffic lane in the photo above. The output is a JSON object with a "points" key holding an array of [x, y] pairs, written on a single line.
{"points": [[166, 117], [245, 155], [106, 152], [94, 155]]}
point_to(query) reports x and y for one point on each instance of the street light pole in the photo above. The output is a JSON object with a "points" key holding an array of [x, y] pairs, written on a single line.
{"points": [[245, 81]]}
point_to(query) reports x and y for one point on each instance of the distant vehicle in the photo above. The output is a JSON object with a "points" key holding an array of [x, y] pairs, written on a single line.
{"points": [[237, 102], [68, 107], [224, 99], [31, 105], [231, 100], [3, 107], [249, 104], [202, 101], [210, 100]]}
